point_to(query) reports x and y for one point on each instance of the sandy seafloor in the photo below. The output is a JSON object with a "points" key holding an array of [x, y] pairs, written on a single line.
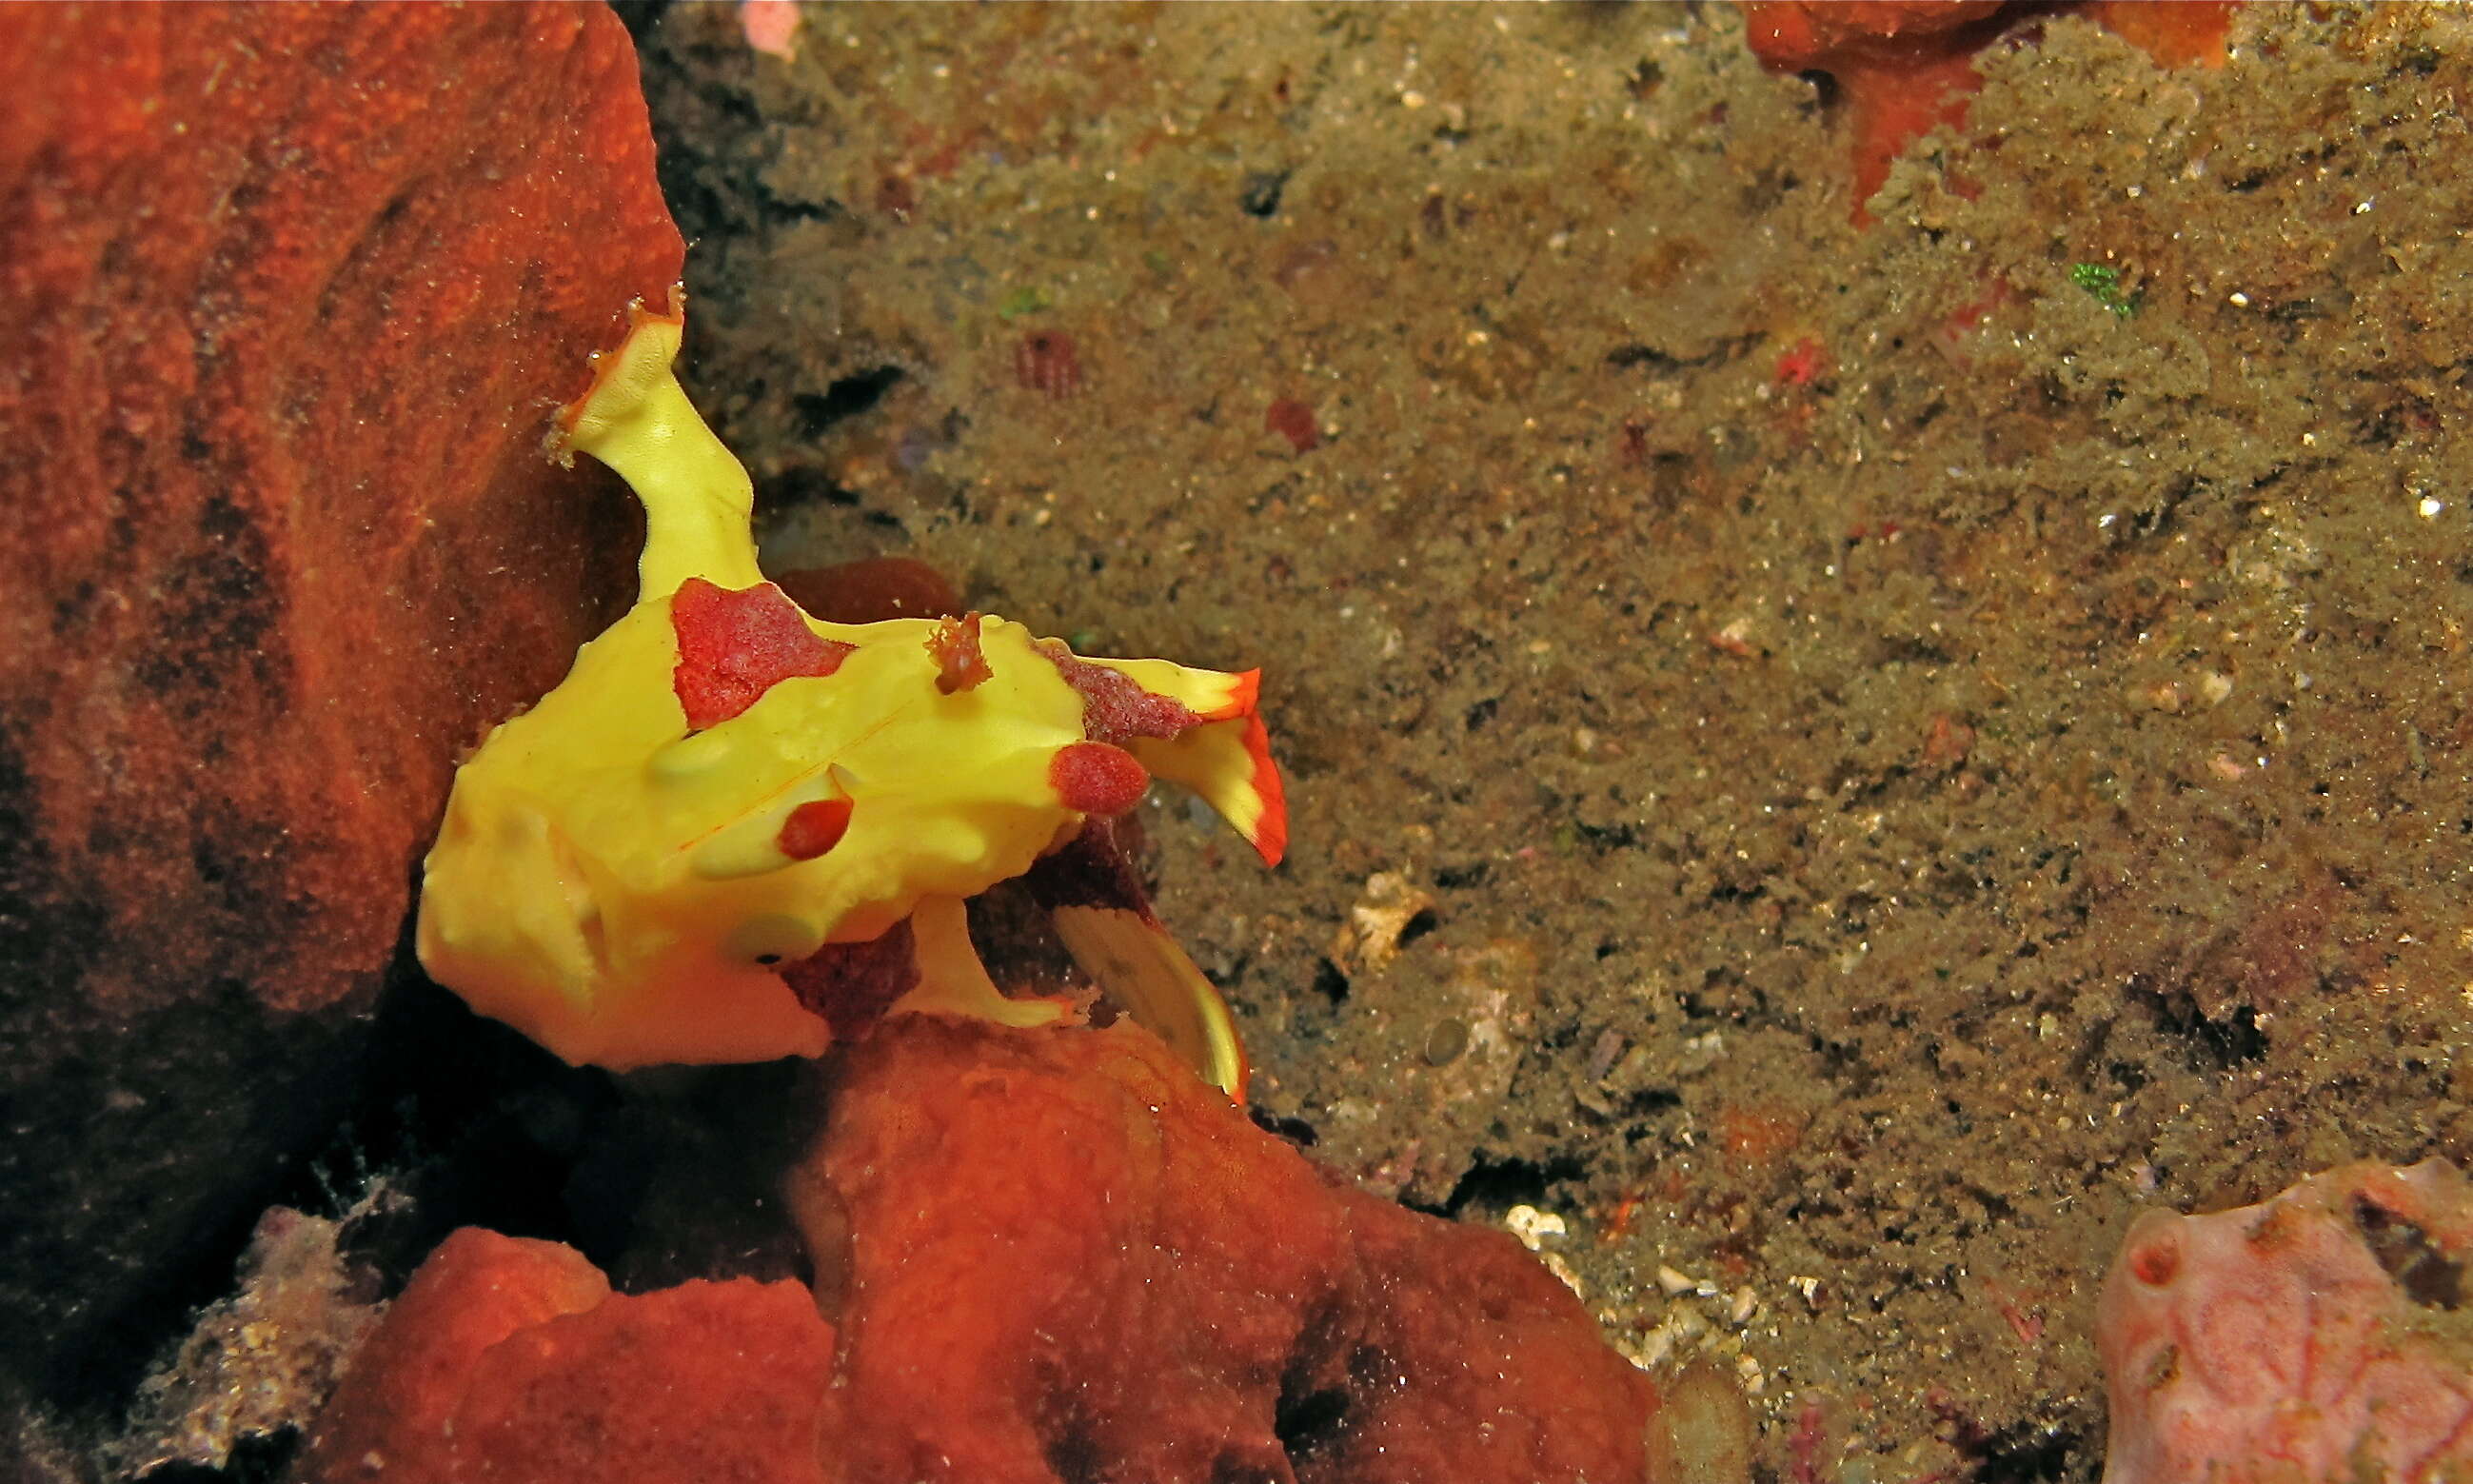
{"points": [[1835, 763]]}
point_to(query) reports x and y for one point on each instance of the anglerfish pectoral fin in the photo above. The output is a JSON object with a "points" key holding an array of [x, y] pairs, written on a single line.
{"points": [[1096, 902], [1143, 970]]}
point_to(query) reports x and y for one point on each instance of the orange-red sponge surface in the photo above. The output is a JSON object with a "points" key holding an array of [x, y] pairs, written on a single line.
{"points": [[1057, 1257], [511, 1360], [1067, 1258], [1908, 66], [290, 291]]}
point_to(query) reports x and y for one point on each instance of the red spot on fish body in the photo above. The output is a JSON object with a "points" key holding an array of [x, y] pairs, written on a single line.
{"points": [[737, 644], [1097, 778], [813, 829], [1115, 709]]}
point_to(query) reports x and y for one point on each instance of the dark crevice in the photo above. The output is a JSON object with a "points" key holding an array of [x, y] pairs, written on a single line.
{"points": [[1627, 356], [801, 485], [1261, 196], [1296, 1131], [846, 398], [1308, 1424], [2214, 1044], [256, 1458], [1603, 838], [1329, 982], [2429, 1277], [1074, 1457], [1495, 1183], [2025, 1454]]}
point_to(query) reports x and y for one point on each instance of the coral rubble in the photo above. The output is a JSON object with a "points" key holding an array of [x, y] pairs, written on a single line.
{"points": [[260, 1361]]}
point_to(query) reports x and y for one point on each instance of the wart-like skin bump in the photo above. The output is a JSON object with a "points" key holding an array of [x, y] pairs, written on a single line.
{"points": [[1098, 779]]}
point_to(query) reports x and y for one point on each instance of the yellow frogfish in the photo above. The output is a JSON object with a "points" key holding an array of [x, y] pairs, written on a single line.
{"points": [[734, 827]]}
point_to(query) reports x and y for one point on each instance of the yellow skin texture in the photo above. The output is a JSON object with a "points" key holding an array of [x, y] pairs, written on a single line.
{"points": [[610, 883]]}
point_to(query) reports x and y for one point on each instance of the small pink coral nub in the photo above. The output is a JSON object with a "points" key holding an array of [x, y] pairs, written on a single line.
{"points": [[2294, 1340]]}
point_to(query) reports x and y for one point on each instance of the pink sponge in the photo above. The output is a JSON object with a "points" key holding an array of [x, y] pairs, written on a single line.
{"points": [[2316, 1337]]}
